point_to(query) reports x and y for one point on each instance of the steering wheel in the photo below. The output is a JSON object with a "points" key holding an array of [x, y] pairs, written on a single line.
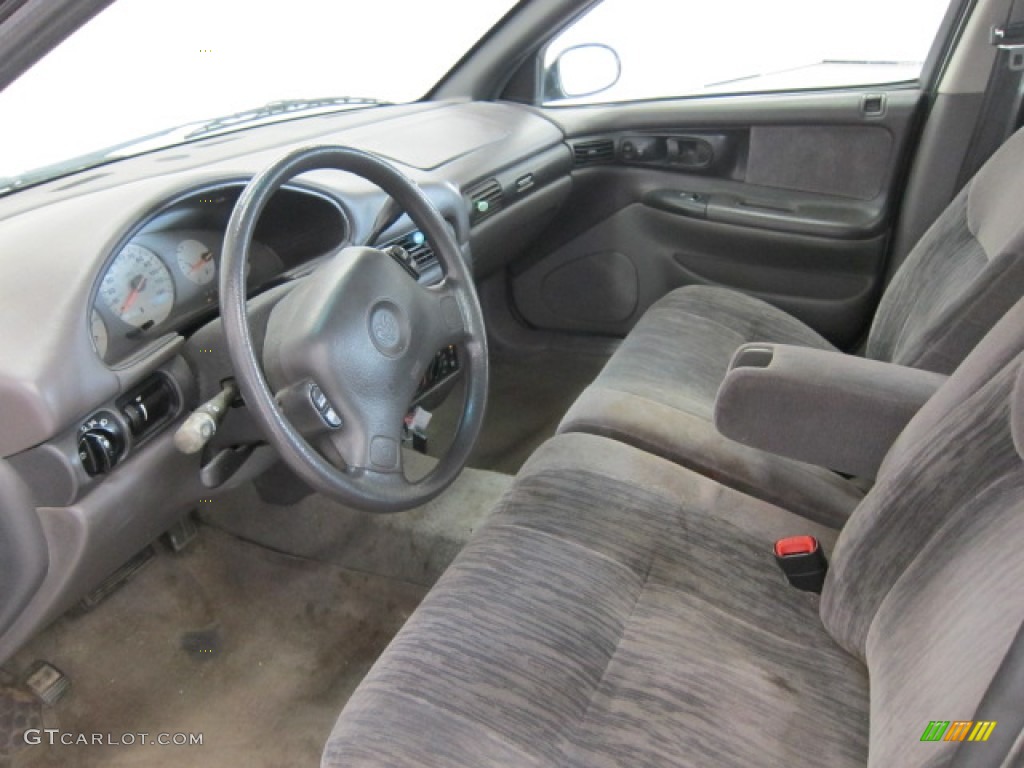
{"points": [[347, 347]]}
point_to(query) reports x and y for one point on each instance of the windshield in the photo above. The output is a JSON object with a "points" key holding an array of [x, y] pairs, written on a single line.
{"points": [[142, 68]]}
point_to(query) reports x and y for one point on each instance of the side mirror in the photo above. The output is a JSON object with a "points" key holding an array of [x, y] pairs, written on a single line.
{"points": [[582, 70]]}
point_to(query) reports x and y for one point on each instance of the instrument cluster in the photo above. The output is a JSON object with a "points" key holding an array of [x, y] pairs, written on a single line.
{"points": [[158, 282], [165, 276]]}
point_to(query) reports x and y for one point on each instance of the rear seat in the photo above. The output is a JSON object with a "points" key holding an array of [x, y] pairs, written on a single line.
{"points": [[619, 609], [657, 392]]}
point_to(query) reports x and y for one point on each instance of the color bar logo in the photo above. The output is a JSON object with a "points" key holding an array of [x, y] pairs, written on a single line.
{"points": [[958, 730]]}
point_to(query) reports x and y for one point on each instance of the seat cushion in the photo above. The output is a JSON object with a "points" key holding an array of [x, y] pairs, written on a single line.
{"points": [[615, 609], [657, 392]]}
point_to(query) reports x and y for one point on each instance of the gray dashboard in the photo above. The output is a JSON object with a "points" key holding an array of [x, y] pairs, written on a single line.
{"points": [[497, 172], [68, 230]]}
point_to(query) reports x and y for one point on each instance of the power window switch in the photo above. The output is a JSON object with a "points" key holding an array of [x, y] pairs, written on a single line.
{"points": [[331, 417], [318, 397]]}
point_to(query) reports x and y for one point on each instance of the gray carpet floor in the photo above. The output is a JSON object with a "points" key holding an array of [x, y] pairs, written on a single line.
{"points": [[255, 650], [529, 395], [414, 546]]}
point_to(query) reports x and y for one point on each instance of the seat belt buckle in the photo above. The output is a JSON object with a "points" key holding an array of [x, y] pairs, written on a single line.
{"points": [[803, 562]]}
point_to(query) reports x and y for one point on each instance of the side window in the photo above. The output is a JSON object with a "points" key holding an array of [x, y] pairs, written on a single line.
{"points": [[672, 48]]}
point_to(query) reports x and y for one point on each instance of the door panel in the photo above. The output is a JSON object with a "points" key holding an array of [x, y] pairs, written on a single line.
{"points": [[785, 197], [602, 281]]}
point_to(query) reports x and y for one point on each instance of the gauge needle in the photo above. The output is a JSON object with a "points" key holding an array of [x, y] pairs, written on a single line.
{"points": [[138, 285], [203, 260]]}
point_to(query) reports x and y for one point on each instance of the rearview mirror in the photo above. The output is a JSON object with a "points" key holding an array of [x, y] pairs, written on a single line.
{"points": [[582, 70]]}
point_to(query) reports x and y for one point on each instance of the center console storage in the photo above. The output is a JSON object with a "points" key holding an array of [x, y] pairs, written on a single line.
{"points": [[825, 408]]}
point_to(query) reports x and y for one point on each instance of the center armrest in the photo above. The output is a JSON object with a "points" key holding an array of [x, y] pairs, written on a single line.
{"points": [[825, 408]]}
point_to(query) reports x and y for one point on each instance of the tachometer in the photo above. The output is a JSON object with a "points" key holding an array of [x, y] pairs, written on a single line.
{"points": [[196, 262], [138, 287], [98, 328]]}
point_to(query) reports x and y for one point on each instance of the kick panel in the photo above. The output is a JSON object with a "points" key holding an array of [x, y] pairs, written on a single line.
{"points": [[601, 287]]}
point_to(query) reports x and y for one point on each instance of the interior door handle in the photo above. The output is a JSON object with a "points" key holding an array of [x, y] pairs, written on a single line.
{"points": [[690, 152], [687, 152]]}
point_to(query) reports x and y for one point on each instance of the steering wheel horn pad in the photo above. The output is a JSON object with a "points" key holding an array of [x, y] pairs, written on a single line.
{"points": [[389, 329]]}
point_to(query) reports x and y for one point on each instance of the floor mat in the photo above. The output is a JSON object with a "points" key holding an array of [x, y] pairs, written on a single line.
{"points": [[529, 395], [254, 650]]}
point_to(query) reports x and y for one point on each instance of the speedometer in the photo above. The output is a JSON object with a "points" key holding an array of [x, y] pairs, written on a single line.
{"points": [[138, 287]]}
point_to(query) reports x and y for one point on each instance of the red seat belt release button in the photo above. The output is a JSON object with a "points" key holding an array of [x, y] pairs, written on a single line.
{"points": [[802, 561]]}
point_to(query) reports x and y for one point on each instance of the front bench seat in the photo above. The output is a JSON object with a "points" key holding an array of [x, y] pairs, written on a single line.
{"points": [[657, 391], [618, 609]]}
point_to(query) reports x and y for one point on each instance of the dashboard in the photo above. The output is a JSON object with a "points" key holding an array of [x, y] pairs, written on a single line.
{"points": [[112, 334]]}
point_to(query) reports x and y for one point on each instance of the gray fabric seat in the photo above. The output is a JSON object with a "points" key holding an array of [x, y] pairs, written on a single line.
{"points": [[607, 584], [618, 609], [658, 389]]}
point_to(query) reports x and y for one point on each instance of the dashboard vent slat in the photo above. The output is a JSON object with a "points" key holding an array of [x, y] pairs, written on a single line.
{"points": [[422, 254], [591, 152], [416, 246], [485, 200]]}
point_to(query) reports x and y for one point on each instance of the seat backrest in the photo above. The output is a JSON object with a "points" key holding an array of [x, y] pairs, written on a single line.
{"points": [[927, 577], [962, 276]]}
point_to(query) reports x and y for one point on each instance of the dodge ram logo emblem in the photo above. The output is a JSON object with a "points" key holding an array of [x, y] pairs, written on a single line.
{"points": [[386, 328]]}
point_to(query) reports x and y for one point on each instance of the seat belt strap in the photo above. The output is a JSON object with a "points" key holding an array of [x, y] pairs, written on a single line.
{"points": [[1000, 109], [1002, 704]]}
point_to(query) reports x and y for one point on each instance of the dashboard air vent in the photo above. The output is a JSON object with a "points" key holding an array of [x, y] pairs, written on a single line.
{"points": [[598, 151], [485, 200], [416, 245]]}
